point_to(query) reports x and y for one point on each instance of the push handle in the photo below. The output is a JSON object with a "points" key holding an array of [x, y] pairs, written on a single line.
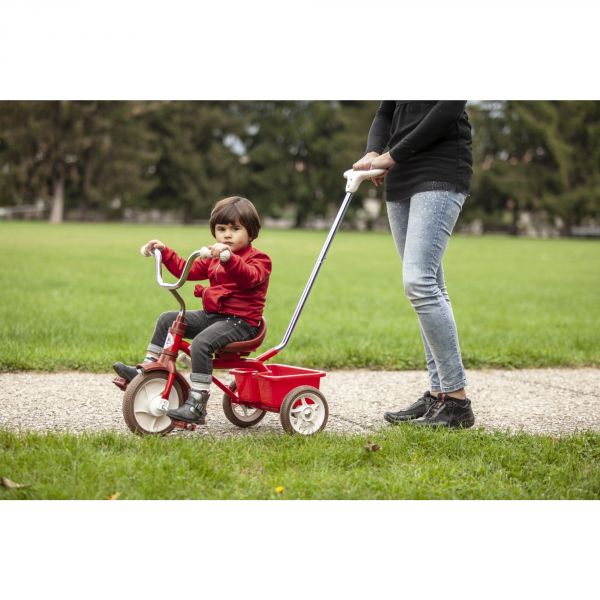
{"points": [[355, 178]]}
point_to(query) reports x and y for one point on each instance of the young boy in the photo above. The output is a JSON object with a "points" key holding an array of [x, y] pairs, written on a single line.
{"points": [[233, 304]]}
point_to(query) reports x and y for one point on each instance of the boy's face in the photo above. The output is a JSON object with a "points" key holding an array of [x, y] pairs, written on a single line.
{"points": [[233, 235]]}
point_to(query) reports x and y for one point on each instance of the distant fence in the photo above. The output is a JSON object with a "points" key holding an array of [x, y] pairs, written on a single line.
{"points": [[369, 217], [28, 212]]}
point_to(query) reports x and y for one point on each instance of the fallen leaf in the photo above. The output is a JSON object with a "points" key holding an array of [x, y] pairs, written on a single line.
{"points": [[371, 447], [114, 496], [11, 485], [279, 489]]}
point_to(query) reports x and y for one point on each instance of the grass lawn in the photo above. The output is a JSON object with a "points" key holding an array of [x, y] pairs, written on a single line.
{"points": [[79, 296], [411, 464]]}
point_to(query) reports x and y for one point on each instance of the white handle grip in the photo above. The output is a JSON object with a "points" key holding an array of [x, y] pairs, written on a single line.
{"points": [[355, 178], [205, 253]]}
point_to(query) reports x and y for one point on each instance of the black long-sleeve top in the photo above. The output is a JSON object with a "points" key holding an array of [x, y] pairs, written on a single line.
{"points": [[430, 142]]}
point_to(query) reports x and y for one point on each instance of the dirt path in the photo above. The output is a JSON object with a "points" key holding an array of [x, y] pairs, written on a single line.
{"points": [[553, 401]]}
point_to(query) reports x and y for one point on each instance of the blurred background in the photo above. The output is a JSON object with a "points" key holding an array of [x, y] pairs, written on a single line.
{"points": [[536, 163]]}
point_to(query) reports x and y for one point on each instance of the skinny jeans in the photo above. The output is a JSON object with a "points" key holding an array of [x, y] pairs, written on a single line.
{"points": [[421, 226]]}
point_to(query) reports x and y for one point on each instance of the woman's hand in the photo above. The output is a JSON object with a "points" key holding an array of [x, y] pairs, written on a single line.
{"points": [[364, 164], [372, 160], [385, 161], [152, 244]]}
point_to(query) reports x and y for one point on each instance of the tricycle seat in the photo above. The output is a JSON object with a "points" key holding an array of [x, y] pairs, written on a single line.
{"points": [[246, 347]]}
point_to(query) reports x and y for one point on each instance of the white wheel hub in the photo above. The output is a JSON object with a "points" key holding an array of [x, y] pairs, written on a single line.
{"points": [[307, 414], [150, 408], [158, 406], [243, 412]]}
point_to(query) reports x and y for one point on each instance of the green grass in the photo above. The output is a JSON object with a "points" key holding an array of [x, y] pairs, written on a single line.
{"points": [[80, 296], [412, 464]]}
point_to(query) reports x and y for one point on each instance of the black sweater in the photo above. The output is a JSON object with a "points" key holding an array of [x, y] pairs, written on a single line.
{"points": [[430, 142]]}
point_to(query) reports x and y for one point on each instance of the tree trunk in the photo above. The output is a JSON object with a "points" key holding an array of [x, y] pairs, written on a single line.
{"points": [[58, 199], [85, 193], [188, 213], [514, 229], [83, 208], [301, 217]]}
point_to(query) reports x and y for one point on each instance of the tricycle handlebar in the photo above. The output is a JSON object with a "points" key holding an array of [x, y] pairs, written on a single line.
{"points": [[203, 252]]}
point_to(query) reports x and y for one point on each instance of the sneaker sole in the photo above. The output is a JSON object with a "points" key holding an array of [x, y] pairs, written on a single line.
{"points": [[179, 418], [124, 375], [396, 421], [460, 425]]}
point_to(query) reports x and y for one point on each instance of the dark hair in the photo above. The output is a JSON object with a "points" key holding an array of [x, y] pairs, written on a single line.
{"points": [[235, 209]]}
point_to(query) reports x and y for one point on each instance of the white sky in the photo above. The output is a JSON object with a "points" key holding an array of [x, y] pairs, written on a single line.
{"points": [[150, 49]]}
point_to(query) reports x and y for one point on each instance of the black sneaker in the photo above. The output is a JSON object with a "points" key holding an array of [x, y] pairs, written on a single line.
{"points": [[125, 371], [193, 411], [448, 412], [414, 411]]}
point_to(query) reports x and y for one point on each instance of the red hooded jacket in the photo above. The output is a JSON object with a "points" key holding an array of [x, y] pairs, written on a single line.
{"points": [[237, 287]]}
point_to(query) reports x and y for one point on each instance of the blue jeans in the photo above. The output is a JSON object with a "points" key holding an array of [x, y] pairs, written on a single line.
{"points": [[421, 226]]}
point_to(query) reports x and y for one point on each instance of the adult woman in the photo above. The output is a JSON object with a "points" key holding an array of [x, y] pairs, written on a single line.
{"points": [[428, 176]]}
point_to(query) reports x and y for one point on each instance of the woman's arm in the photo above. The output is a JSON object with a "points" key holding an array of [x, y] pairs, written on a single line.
{"points": [[379, 133], [429, 130]]}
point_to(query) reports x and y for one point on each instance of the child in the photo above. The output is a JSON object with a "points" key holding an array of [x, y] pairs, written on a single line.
{"points": [[233, 304]]}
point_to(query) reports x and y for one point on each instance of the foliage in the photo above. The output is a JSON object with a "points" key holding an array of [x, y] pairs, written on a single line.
{"points": [[194, 165], [94, 152], [539, 156], [286, 156]]}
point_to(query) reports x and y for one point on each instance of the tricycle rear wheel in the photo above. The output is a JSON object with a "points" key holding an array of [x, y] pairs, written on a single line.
{"points": [[304, 410], [240, 414]]}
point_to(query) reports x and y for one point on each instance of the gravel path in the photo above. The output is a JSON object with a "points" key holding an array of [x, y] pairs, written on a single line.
{"points": [[552, 401]]}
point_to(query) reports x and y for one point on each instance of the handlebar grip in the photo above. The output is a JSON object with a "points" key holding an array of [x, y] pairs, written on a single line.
{"points": [[206, 253], [355, 178]]}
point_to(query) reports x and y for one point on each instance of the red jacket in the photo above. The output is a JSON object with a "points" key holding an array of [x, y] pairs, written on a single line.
{"points": [[237, 287]]}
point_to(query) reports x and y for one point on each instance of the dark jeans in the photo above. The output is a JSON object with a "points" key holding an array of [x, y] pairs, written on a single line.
{"points": [[210, 332]]}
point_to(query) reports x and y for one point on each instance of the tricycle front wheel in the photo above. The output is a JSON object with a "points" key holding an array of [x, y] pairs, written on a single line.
{"points": [[144, 409], [304, 410], [240, 414]]}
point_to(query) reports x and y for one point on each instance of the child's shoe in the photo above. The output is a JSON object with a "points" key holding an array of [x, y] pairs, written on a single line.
{"points": [[194, 409], [125, 371]]}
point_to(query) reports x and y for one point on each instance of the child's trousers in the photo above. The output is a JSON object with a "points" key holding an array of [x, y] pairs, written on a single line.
{"points": [[210, 332]]}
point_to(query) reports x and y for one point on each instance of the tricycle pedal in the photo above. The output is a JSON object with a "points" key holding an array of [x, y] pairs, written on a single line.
{"points": [[184, 425], [121, 383]]}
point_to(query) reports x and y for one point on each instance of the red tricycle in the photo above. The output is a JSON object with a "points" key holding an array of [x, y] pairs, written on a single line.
{"points": [[258, 388]]}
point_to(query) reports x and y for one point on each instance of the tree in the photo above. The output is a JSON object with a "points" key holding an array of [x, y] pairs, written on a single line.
{"points": [[538, 156], [94, 149], [195, 165], [296, 152]]}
